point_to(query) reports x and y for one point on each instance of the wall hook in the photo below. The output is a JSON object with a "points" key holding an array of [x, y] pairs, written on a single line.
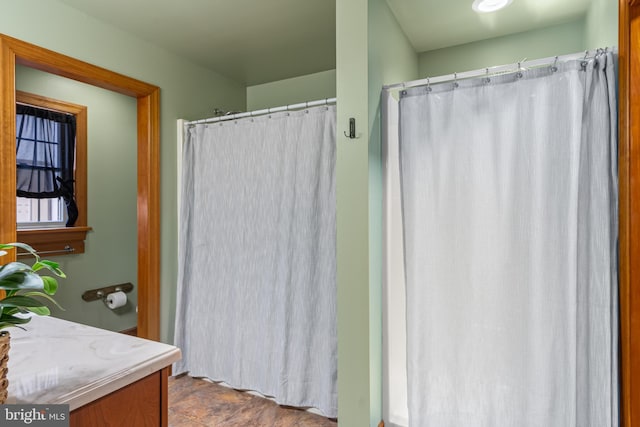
{"points": [[352, 129]]}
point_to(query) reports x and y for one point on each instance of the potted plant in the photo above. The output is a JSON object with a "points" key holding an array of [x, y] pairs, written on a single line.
{"points": [[26, 291]]}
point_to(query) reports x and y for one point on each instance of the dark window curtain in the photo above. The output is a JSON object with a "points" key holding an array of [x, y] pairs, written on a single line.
{"points": [[45, 152]]}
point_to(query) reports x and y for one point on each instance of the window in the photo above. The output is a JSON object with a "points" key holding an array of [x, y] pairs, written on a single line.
{"points": [[51, 140], [37, 213]]}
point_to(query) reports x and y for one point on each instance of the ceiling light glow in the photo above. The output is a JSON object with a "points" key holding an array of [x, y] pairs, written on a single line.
{"points": [[486, 6]]}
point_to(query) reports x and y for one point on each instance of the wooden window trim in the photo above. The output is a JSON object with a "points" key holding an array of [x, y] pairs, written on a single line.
{"points": [[63, 240]]}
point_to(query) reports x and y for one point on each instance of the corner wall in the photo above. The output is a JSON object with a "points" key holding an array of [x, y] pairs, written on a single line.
{"points": [[310, 87], [187, 91], [392, 59], [545, 42], [371, 51], [601, 29]]}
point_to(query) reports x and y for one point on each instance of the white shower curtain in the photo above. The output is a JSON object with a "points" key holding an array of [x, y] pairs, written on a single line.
{"points": [[256, 304], [509, 203]]}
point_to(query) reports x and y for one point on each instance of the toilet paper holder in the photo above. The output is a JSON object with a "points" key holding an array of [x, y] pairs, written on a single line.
{"points": [[101, 293]]}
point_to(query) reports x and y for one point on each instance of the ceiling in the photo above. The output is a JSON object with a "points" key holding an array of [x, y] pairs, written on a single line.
{"points": [[250, 41], [257, 41]]}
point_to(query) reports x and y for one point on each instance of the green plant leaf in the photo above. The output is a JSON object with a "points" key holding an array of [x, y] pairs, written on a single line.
{"points": [[22, 246], [52, 266], [10, 318], [20, 279], [26, 290], [10, 311], [43, 295], [42, 311], [21, 301], [50, 285], [38, 265], [8, 325], [13, 320], [13, 267]]}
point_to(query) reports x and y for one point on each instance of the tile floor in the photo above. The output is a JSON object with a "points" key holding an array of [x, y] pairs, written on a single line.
{"points": [[195, 402]]}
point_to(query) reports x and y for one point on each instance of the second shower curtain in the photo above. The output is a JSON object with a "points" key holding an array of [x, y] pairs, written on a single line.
{"points": [[509, 210], [256, 301]]}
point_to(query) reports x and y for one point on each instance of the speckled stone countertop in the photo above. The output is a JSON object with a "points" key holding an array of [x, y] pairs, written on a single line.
{"points": [[59, 362]]}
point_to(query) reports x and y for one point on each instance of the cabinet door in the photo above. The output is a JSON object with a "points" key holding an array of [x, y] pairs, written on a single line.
{"points": [[143, 403]]}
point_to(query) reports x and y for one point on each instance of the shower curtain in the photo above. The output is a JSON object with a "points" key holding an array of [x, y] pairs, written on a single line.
{"points": [[256, 302], [509, 209]]}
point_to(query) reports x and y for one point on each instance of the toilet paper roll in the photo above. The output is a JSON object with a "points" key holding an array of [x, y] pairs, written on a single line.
{"points": [[116, 300]]}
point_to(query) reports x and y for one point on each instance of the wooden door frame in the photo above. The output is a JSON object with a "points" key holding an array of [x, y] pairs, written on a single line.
{"points": [[14, 51], [629, 177]]}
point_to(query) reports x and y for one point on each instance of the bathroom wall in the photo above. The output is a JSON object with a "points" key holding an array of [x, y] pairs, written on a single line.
{"points": [[352, 175], [601, 24], [598, 28], [391, 59], [187, 91], [551, 41], [371, 50], [110, 249], [309, 87]]}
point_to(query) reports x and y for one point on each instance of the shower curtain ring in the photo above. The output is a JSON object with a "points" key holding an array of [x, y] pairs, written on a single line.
{"points": [[584, 62]]}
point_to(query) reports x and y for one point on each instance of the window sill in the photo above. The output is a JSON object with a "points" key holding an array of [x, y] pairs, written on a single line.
{"points": [[55, 241]]}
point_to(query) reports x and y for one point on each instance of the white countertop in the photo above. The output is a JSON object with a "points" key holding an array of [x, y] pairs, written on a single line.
{"points": [[55, 361]]}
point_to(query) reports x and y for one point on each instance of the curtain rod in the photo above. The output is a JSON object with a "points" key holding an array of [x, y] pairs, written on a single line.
{"points": [[255, 113], [500, 69]]}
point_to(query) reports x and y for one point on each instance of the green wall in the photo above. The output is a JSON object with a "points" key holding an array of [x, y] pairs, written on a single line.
{"points": [[366, 59], [187, 91], [352, 178], [111, 177], [601, 24], [551, 41], [392, 59], [309, 87]]}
